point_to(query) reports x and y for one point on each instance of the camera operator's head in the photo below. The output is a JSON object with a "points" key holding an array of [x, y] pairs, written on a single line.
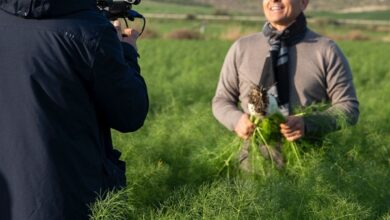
{"points": [[45, 8]]}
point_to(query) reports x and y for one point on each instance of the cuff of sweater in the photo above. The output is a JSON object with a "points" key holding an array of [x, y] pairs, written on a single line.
{"points": [[317, 125]]}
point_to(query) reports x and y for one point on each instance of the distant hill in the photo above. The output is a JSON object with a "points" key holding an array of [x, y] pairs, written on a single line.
{"points": [[254, 6]]}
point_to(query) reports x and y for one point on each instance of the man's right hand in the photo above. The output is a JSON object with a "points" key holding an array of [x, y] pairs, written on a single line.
{"points": [[127, 35], [244, 127]]}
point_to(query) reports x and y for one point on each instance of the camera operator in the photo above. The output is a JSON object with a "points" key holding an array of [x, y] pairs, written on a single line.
{"points": [[65, 81]]}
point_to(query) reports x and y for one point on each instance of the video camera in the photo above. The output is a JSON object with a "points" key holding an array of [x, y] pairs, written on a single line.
{"points": [[115, 9]]}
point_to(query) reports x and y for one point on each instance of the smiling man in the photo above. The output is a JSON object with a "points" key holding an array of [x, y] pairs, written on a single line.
{"points": [[295, 64]]}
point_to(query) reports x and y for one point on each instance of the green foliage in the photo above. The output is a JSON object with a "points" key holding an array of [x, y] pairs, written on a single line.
{"points": [[267, 135], [182, 163], [112, 205], [269, 128]]}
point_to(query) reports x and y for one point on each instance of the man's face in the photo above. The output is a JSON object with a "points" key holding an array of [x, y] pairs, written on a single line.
{"points": [[281, 13]]}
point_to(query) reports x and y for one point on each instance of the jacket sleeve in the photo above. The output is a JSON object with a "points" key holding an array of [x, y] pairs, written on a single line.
{"points": [[117, 86], [344, 108], [225, 102]]}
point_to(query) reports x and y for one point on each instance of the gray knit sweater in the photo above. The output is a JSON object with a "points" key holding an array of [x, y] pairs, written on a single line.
{"points": [[319, 72]]}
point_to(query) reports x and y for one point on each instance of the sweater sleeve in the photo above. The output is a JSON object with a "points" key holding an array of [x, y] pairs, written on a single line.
{"points": [[344, 108], [118, 88], [225, 102]]}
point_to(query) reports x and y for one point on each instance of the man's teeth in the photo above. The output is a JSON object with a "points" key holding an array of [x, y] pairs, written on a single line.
{"points": [[276, 8]]}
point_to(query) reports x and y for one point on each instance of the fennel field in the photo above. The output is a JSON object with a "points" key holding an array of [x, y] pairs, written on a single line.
{"points": [[178, 164]]}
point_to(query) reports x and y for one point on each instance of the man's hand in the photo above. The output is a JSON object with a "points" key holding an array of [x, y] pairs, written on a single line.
{"points": [[244, 127], [127, 35], [294, 128]]}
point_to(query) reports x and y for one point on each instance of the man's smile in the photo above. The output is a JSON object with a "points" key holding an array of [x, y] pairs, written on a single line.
{"points": [[276, 8]]}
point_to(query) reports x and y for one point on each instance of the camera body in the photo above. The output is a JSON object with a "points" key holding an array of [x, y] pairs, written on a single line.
{"points": [[114, 9]]}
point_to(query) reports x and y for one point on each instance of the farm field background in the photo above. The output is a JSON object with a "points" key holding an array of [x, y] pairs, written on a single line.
{"points": [[180, 166]]}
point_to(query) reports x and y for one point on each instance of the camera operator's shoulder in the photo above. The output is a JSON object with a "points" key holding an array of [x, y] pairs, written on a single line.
{"points": [[86, 25], [89, 20], [92, 17]]}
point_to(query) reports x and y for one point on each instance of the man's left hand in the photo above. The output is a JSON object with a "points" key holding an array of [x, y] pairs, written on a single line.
{"points": [[294, 128]]}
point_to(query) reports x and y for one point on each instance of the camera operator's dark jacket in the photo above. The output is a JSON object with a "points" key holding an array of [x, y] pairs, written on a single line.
{"points": [[65, 80]]}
